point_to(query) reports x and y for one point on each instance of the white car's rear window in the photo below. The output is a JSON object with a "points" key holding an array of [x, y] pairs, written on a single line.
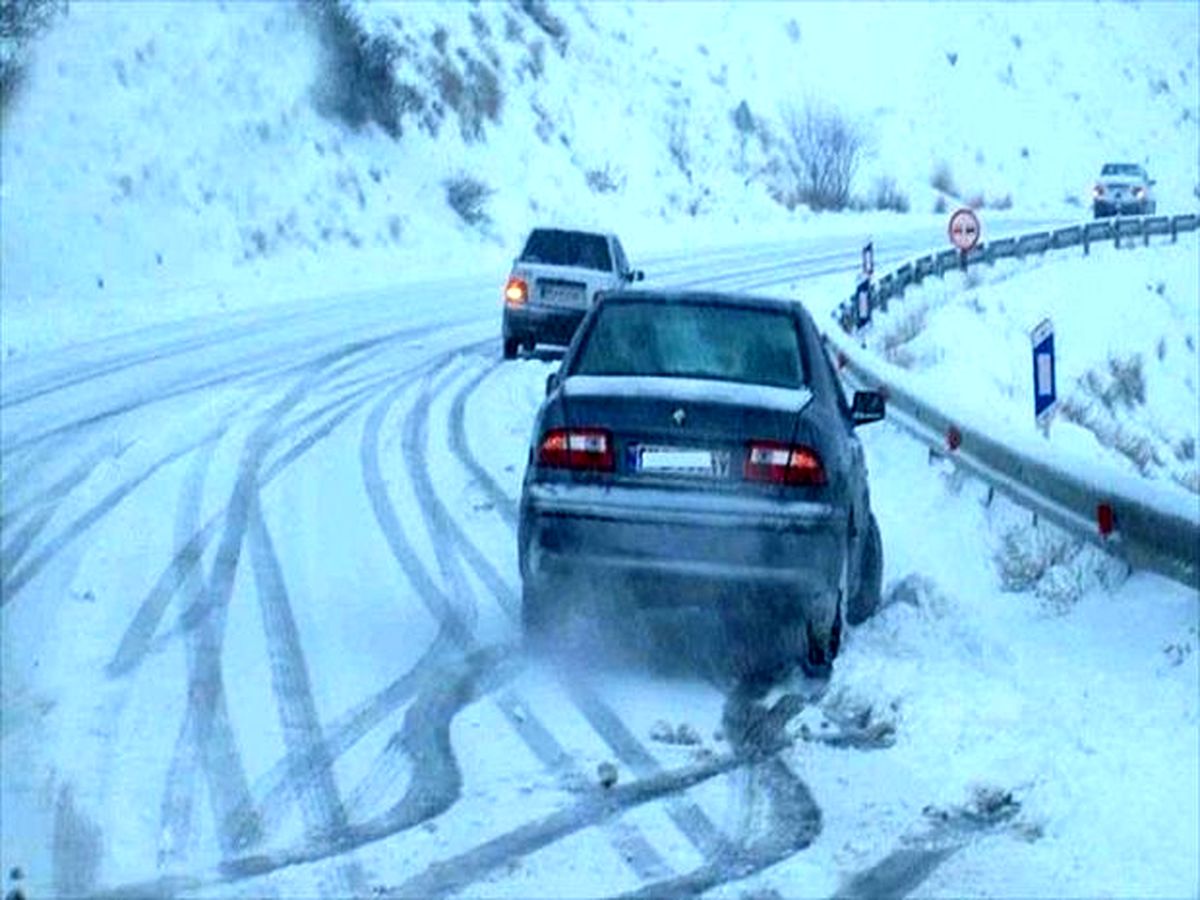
{"points": [[578, 249]]}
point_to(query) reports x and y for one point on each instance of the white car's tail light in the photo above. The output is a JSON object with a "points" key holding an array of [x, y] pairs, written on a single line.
{"points": [[516, 291], [777, 463], [1139, 192], [581, 449], [1098, 191]]}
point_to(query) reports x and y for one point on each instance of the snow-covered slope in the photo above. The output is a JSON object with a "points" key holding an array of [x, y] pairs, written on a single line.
{"points": [[169, 159]]}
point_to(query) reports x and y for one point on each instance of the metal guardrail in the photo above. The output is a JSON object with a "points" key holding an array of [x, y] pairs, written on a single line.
{"points": [[1157, 525]]}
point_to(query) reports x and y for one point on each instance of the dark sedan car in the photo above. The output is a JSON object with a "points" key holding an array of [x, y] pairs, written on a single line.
{"points": [[697, 450]]}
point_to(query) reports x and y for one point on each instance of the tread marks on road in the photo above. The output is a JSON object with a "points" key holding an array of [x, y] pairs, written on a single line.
{"points": [[637, 852], [205, 741], [138, 640], [16, 581]]}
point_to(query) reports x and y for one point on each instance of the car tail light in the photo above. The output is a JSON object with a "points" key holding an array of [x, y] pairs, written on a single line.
{"points": [[516, 292], [1139, 192], [1098, 190], [784, 464], [584, 449]]}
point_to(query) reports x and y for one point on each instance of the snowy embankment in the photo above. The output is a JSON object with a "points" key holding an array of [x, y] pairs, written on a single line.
{"points": [[1127, 325]]}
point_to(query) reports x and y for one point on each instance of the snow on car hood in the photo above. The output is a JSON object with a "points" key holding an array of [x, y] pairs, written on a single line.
{"points": [[695, 390]]}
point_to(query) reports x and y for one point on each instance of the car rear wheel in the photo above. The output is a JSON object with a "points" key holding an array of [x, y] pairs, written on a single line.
{"points": [[864, 601], [510, 348]]}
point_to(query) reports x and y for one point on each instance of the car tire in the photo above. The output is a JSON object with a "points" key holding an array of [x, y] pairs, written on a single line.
{"points": [[510, 348], [863, 603]]}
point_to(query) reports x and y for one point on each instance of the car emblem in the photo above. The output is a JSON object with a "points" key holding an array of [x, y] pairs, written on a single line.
{"points": [[679, 416]]}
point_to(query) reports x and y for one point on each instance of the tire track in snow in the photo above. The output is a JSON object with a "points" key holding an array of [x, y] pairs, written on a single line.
{"points": [[15, 582], [630, 844], [138, 640], [206, 734], [317, 792]]}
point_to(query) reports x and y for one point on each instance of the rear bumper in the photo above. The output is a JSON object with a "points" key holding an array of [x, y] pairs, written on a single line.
{"points": [[669, 548], [1122, 208], [541, 324]]}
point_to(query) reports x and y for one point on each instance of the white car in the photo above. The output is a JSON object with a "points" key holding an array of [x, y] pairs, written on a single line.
{"points": [[1123, 189], [555, 281]]}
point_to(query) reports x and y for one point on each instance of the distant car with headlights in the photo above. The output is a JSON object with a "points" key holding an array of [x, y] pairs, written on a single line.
{"points": [[696, 451], [1123, 189], [554, 282]]}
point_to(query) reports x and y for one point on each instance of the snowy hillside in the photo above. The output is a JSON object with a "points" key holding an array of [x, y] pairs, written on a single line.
{"points": [[160, 161]]}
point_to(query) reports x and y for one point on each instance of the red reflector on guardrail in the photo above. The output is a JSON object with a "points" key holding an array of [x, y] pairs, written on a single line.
{"points": [[953, 438], [1106, 519]]}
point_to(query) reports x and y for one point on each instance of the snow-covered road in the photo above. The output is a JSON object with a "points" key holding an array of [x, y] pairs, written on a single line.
{"points": [[260, 600]]}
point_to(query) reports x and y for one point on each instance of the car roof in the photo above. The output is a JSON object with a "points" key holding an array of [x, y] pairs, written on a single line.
{"points": [[702, 298]]}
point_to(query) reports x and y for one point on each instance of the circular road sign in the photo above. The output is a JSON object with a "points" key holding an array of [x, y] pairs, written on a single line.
{"points": [[964, 229]]}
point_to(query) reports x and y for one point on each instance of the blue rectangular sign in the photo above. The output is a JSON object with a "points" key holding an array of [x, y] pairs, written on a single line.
{"points": [[862, 304], [1044, 391]]}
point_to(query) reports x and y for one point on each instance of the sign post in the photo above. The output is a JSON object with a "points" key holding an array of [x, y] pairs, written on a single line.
{"points": [[868, 259], [964, 230], [1044, 393]]}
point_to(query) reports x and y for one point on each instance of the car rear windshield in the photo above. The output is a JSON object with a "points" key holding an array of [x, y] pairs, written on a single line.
{"points": [[1128, 169], [691, 340], [568, 248]]}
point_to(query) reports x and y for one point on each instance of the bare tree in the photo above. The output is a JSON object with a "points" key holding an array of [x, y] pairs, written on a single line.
{"points": [[822, 149]]}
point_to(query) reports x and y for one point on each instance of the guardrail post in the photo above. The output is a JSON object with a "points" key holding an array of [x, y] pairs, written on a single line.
{"points": [[1174, 230], [1117, 232], [1086, 242]]}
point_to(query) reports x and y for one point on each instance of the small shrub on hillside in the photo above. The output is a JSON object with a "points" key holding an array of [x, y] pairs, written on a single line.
{"points": [[940, 205], [1004, 202], [21, 22], [886, 195], [468, 197], [359, 84], [552, 25], [603, 181], [1026, 554], [822, 148], [943, 180], [678, 145]]}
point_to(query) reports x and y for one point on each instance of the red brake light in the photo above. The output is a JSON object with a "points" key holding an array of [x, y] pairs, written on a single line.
{"points": [[783, 464], [587, 449], [516, 292]]}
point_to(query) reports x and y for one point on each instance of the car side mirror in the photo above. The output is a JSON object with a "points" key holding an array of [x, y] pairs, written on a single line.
{"points": [[869, 406], [638, 275], [551, 383]]}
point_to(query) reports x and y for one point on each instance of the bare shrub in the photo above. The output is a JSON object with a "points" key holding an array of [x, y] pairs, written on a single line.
{"points": [[822, 149], [886, 195], [468, 197], [554, 28], [1004, 202], [943, 180], [940, 205], [899, 333], [1026, 554], [21, 21], [678, 145], [975, 201], [358, 84], [603, 181]]}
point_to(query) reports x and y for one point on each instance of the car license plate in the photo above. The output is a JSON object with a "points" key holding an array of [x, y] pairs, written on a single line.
{"points": [[562, 294], [682, 461]]}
